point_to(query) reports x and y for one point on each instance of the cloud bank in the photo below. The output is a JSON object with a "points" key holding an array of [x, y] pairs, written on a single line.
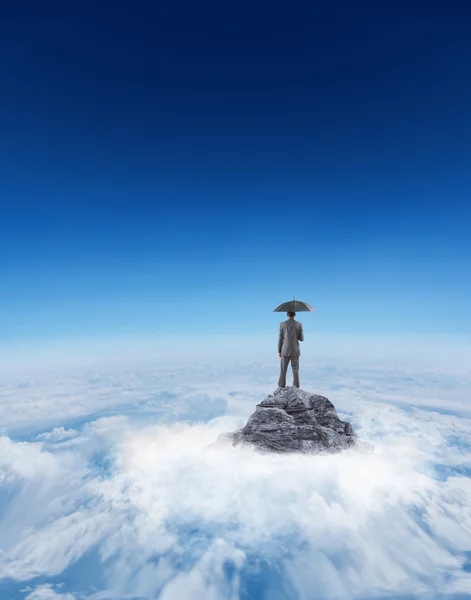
{"points": [[110, 487]]}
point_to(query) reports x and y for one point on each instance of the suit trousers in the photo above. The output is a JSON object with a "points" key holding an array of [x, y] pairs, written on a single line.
{"points": [[284, 362]]}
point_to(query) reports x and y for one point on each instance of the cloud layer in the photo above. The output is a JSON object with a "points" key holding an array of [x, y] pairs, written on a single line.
{"points": [[118, 492]]}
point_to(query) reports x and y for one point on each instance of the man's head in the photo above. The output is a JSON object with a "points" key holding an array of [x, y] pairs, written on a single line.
{"points": [[291, 314]]}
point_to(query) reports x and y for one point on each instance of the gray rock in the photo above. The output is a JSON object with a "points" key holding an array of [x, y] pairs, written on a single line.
{"points": [[293, 420]]}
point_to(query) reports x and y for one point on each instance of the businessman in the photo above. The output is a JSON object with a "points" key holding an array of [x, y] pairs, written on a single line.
{"points": [[289, 336]]}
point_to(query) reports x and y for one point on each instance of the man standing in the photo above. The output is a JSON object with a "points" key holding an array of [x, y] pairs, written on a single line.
{"points": [[289, 336]]}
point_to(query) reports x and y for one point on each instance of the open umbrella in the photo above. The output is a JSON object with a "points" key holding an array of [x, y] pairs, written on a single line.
{"points": [[294, 306]]}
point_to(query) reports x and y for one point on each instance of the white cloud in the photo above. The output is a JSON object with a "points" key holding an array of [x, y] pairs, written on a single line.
{"points": [[58, 434], [47, 592], [194, 392], [170, 514]]}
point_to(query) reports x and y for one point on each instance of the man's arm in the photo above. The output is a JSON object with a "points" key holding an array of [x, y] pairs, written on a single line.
{"points": [[301, 333], [280, 338]]}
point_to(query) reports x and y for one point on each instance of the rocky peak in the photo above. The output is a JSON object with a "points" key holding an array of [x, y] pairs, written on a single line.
{"points": [[294, 420]]}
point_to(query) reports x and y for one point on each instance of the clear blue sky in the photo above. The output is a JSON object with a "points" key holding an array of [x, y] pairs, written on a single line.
{"points": [[186, 167]]}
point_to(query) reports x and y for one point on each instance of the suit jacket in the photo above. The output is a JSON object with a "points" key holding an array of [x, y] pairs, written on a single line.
{"points": [[289, 336]]}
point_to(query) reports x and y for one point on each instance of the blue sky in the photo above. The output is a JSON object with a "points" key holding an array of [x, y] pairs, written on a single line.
{"points": [[187, 168]]}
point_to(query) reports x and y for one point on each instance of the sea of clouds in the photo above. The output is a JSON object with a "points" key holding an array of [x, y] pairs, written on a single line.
{"points": [[111, 487]]}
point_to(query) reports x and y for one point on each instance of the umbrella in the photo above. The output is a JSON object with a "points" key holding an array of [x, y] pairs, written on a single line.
{"points": [[294, 306]]}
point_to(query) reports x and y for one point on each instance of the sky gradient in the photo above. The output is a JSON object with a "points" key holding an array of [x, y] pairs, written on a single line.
{"points": [[185, 168]]}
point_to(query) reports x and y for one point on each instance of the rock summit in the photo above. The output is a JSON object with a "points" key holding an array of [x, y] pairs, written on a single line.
{"points": [[293, 420]]}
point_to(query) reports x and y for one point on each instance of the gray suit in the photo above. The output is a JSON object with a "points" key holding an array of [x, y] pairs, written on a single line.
{"points": [[289, 335]]}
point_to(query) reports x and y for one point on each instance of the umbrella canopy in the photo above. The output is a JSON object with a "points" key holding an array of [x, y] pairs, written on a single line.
{"points": [[294, 306]]}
